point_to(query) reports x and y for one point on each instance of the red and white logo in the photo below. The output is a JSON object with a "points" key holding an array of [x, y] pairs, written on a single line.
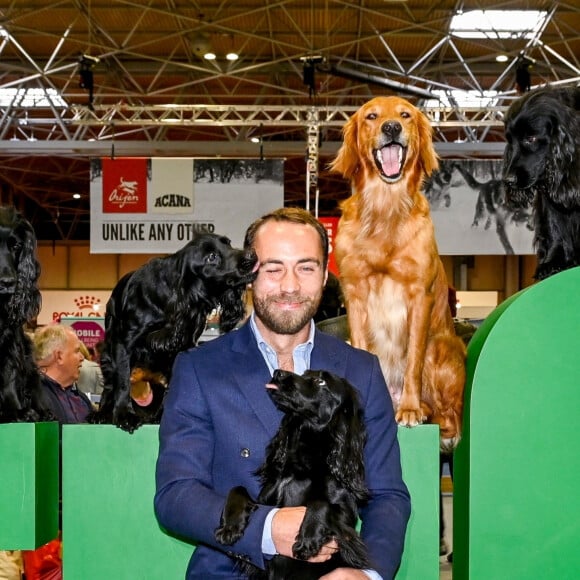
{"points": [[124, 185]]}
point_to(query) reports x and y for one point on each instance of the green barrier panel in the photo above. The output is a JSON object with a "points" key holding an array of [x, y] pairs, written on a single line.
{"points": [[420, 462], [109, 526], [516, 506], [110, 530], [29, 481]]}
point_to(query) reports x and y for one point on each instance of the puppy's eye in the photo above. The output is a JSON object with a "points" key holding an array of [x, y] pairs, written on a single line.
{"points": [[530, 139], [321, 382], [406, 115], [372, 116], [212, 258]]}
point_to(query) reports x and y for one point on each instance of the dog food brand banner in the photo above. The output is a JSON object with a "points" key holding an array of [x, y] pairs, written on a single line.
{"points": [[331, 225], [470, 213], [142, 206]]}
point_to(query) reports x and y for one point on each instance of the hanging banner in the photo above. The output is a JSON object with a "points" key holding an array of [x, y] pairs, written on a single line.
{"points": [[143, 206], [331, 225], [470, 213]]}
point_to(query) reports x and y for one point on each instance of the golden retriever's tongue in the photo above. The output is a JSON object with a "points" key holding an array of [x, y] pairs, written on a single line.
{"points": [[390, 160]]}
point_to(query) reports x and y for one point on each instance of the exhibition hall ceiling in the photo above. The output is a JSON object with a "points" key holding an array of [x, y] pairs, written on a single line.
{"points": [[88, 78]]}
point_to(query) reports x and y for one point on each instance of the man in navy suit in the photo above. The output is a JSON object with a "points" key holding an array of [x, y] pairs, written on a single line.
{"points": [[218, 418]]}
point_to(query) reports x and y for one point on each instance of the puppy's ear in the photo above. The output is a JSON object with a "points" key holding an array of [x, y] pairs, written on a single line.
{"points": [[347, 161], [26, 302], [346, 460], [565, 155], [427, 156]]}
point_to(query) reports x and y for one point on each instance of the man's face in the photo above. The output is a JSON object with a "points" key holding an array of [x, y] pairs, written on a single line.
{"points": [[70, 359], [288, 289]]}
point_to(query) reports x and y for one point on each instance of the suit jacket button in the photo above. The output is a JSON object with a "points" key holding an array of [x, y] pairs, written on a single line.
{"points": [[245, 452]]}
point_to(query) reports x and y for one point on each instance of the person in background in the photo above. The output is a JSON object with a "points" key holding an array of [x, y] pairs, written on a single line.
{"points": [[57, 351], [218, 418], [147, 393], [90, 379]]}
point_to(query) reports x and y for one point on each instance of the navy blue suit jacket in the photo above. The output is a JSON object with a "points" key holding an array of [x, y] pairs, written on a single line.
{"points": [[217, 422]]}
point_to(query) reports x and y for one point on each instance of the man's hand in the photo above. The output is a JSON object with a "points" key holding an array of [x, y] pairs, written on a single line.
{"points": [[345, 574], [285, 527]]}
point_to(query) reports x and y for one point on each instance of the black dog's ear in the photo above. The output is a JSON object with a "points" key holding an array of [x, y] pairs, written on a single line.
{"points": [[26, 302], [565, 155], [346, 460]]}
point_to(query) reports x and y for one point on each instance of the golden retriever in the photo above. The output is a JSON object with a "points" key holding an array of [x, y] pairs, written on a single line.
{"points": [[394, 282]]}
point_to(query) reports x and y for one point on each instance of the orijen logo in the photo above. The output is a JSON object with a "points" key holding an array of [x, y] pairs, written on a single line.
{"points": [[125, 193]]}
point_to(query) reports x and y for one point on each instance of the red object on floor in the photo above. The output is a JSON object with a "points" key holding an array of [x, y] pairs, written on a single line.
{"points": [[44, 563]]}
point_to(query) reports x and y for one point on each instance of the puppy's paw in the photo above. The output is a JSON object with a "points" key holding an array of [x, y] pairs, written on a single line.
{"points": [[410, 417], [305, 548], [229, 534]]}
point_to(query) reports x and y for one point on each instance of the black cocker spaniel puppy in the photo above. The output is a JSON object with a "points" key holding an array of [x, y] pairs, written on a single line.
{"points": [[314, 460], [542, 169], [161, 309], [20, 395]]}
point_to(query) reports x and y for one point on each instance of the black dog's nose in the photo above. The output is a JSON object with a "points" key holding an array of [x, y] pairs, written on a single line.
{"points": [[279, 375], [391, 128], [7, 284], [510, 179]]}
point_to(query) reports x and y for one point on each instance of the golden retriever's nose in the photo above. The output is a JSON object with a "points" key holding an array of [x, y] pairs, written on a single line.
{"points": [[391, 128]]}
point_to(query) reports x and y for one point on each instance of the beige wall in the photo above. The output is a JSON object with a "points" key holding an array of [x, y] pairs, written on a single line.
{"points": [[73, 267]]}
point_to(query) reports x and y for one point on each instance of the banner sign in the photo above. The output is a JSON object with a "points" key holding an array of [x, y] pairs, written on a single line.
{"points": [[59, 304], [143, 206], [331, 225], [89, 330], [470, 213]]}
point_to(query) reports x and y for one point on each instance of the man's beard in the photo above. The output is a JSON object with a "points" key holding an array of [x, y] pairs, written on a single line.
{"points": [[285, 321]]}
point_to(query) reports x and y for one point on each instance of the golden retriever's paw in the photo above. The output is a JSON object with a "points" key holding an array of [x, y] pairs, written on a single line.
{"points": [[410, 417], [448, 445]]}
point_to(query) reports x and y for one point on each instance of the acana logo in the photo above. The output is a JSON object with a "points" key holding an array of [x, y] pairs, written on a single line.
{"points": [[172, 200]]}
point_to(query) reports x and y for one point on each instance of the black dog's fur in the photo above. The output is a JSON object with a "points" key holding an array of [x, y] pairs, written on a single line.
{"points": [[315, 460], [20, 395], [161, 309], [542, 168]]}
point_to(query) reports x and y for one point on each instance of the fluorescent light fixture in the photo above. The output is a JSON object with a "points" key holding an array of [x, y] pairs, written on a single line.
{"points": [[32, 98], [494, 24], [467, 99]]}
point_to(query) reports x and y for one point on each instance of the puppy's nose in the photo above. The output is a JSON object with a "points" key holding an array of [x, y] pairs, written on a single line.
{"points": [[391, 128], [279, 374], [7, 284], [510, 179]]}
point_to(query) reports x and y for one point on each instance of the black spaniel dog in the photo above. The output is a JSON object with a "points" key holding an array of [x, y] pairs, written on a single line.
{"points": [[314, 460], [542, 169], [161, 309], [20, 395]]}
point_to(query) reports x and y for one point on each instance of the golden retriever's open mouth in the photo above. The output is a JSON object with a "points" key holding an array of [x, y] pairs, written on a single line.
{"points": [[390, 160]]}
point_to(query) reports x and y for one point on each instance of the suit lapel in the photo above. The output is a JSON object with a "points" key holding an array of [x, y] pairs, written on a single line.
{"points": [[251, 375]]}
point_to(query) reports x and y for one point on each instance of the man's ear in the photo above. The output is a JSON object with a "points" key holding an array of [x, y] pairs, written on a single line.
{"points": [[325, 277], [58, 356]]}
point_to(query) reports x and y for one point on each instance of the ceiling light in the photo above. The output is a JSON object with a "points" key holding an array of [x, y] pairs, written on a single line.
{"points": [[507, 24], [232, 56], [76, 195], [255, 139], [501, 58], [209, 56]]}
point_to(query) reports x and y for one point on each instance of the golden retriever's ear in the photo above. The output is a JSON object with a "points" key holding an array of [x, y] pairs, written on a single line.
{"points": [[347, 160], [427, 155]]}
